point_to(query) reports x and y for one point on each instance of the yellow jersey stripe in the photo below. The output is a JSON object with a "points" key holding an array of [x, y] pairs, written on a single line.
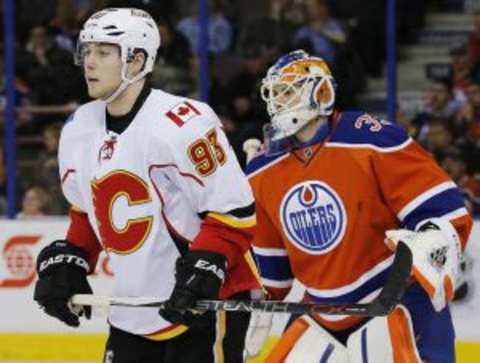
{"points": [[168, 333], [221, 326], [253, 266], [234, 222], [76, 209]]}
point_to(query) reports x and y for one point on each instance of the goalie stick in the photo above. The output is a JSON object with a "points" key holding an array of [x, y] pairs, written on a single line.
{"points": [[383, 304]]}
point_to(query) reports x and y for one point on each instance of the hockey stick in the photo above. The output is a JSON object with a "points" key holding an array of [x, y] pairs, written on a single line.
{"points": [[383, 304]]}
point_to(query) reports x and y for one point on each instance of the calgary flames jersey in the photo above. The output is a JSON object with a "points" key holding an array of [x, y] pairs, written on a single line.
{"points": [[323, 209], [169, 180]]}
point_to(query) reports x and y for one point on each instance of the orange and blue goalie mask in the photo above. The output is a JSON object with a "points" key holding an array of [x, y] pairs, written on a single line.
{"points": [[297, 89]]}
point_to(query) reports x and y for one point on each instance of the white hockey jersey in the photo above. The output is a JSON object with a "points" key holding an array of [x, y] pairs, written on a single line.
{"points": [[150, 188]]}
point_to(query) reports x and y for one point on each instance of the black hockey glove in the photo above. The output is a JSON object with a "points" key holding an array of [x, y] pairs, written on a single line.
{"points": [[199, 275], [62, 272]]}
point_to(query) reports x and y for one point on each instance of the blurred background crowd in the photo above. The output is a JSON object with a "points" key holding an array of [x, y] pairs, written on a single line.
{"points": [[439, 105]]}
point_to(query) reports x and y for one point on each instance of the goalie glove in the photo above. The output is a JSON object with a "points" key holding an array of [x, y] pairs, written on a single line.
{"points": [[436, 252]]}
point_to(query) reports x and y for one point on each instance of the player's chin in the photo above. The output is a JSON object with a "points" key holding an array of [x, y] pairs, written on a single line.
{"points": [[96, 93]]}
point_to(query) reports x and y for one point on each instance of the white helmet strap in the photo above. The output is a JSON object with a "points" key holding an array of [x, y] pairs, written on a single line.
{"points": [[125, 82]]}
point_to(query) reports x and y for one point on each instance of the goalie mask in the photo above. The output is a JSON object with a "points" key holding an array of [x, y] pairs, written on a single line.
{"points": [[297, 89], [128, 28]]}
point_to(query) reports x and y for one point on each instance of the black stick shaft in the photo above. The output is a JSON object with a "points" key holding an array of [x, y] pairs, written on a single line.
{"points": [[386, 301]]}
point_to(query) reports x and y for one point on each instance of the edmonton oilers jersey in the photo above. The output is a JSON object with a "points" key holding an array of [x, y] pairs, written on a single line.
{"points": [[323, 209]]}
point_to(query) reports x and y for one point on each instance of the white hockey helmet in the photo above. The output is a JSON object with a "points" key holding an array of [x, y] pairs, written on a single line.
{"points": [[297, 89], [129, 28]]}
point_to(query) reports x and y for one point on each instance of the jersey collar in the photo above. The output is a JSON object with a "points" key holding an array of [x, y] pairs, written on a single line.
{"points": [[119, 124]]}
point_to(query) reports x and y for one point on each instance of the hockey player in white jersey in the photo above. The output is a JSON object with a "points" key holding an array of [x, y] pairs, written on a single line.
{"points": [[153, 181]]}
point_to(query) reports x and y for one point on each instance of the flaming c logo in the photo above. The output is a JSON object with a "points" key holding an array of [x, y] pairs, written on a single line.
{"points": [[19, 261], [107, 192]]}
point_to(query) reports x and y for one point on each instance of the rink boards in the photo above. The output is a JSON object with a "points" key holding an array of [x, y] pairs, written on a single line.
{"points": [[27, 334]]}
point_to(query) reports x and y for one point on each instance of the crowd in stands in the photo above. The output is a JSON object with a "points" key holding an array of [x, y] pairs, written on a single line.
{"points": [[448, 124], [243, 43]]}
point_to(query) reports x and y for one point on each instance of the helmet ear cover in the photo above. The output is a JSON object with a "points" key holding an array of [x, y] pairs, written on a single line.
{"points": [[131, 57], [323, 95]]}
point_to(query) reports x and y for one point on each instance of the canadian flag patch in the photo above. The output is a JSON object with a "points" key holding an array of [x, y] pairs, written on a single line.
{"points": [[182, 113]]}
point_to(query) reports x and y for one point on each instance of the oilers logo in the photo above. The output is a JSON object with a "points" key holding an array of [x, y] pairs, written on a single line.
{"points": [[313, 217]]}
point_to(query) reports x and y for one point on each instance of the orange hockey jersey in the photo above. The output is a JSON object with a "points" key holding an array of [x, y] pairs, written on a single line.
{"points": [[323, 209]]}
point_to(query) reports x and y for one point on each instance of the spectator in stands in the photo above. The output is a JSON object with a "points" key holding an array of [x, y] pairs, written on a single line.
{"points": [[33, 12], [85, 8], [468, 117], [171, 72], [243, 123], [216, 98], [473, 42], [23, 118], [175, 47], [438, 139], [403, 120], [368, 35], [453, 5], [34, 203], [462, 72], [410, 19], [47, 170], [274, 29], [246, 83], [456, 167], [38, 45], [244, 110], [219, 28], [349, 73], [439, 103], [156, 8], [216, 93], [50, 73], [19, 183], [65, 25], [471, 152], [348, 69], [322, 34]]}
